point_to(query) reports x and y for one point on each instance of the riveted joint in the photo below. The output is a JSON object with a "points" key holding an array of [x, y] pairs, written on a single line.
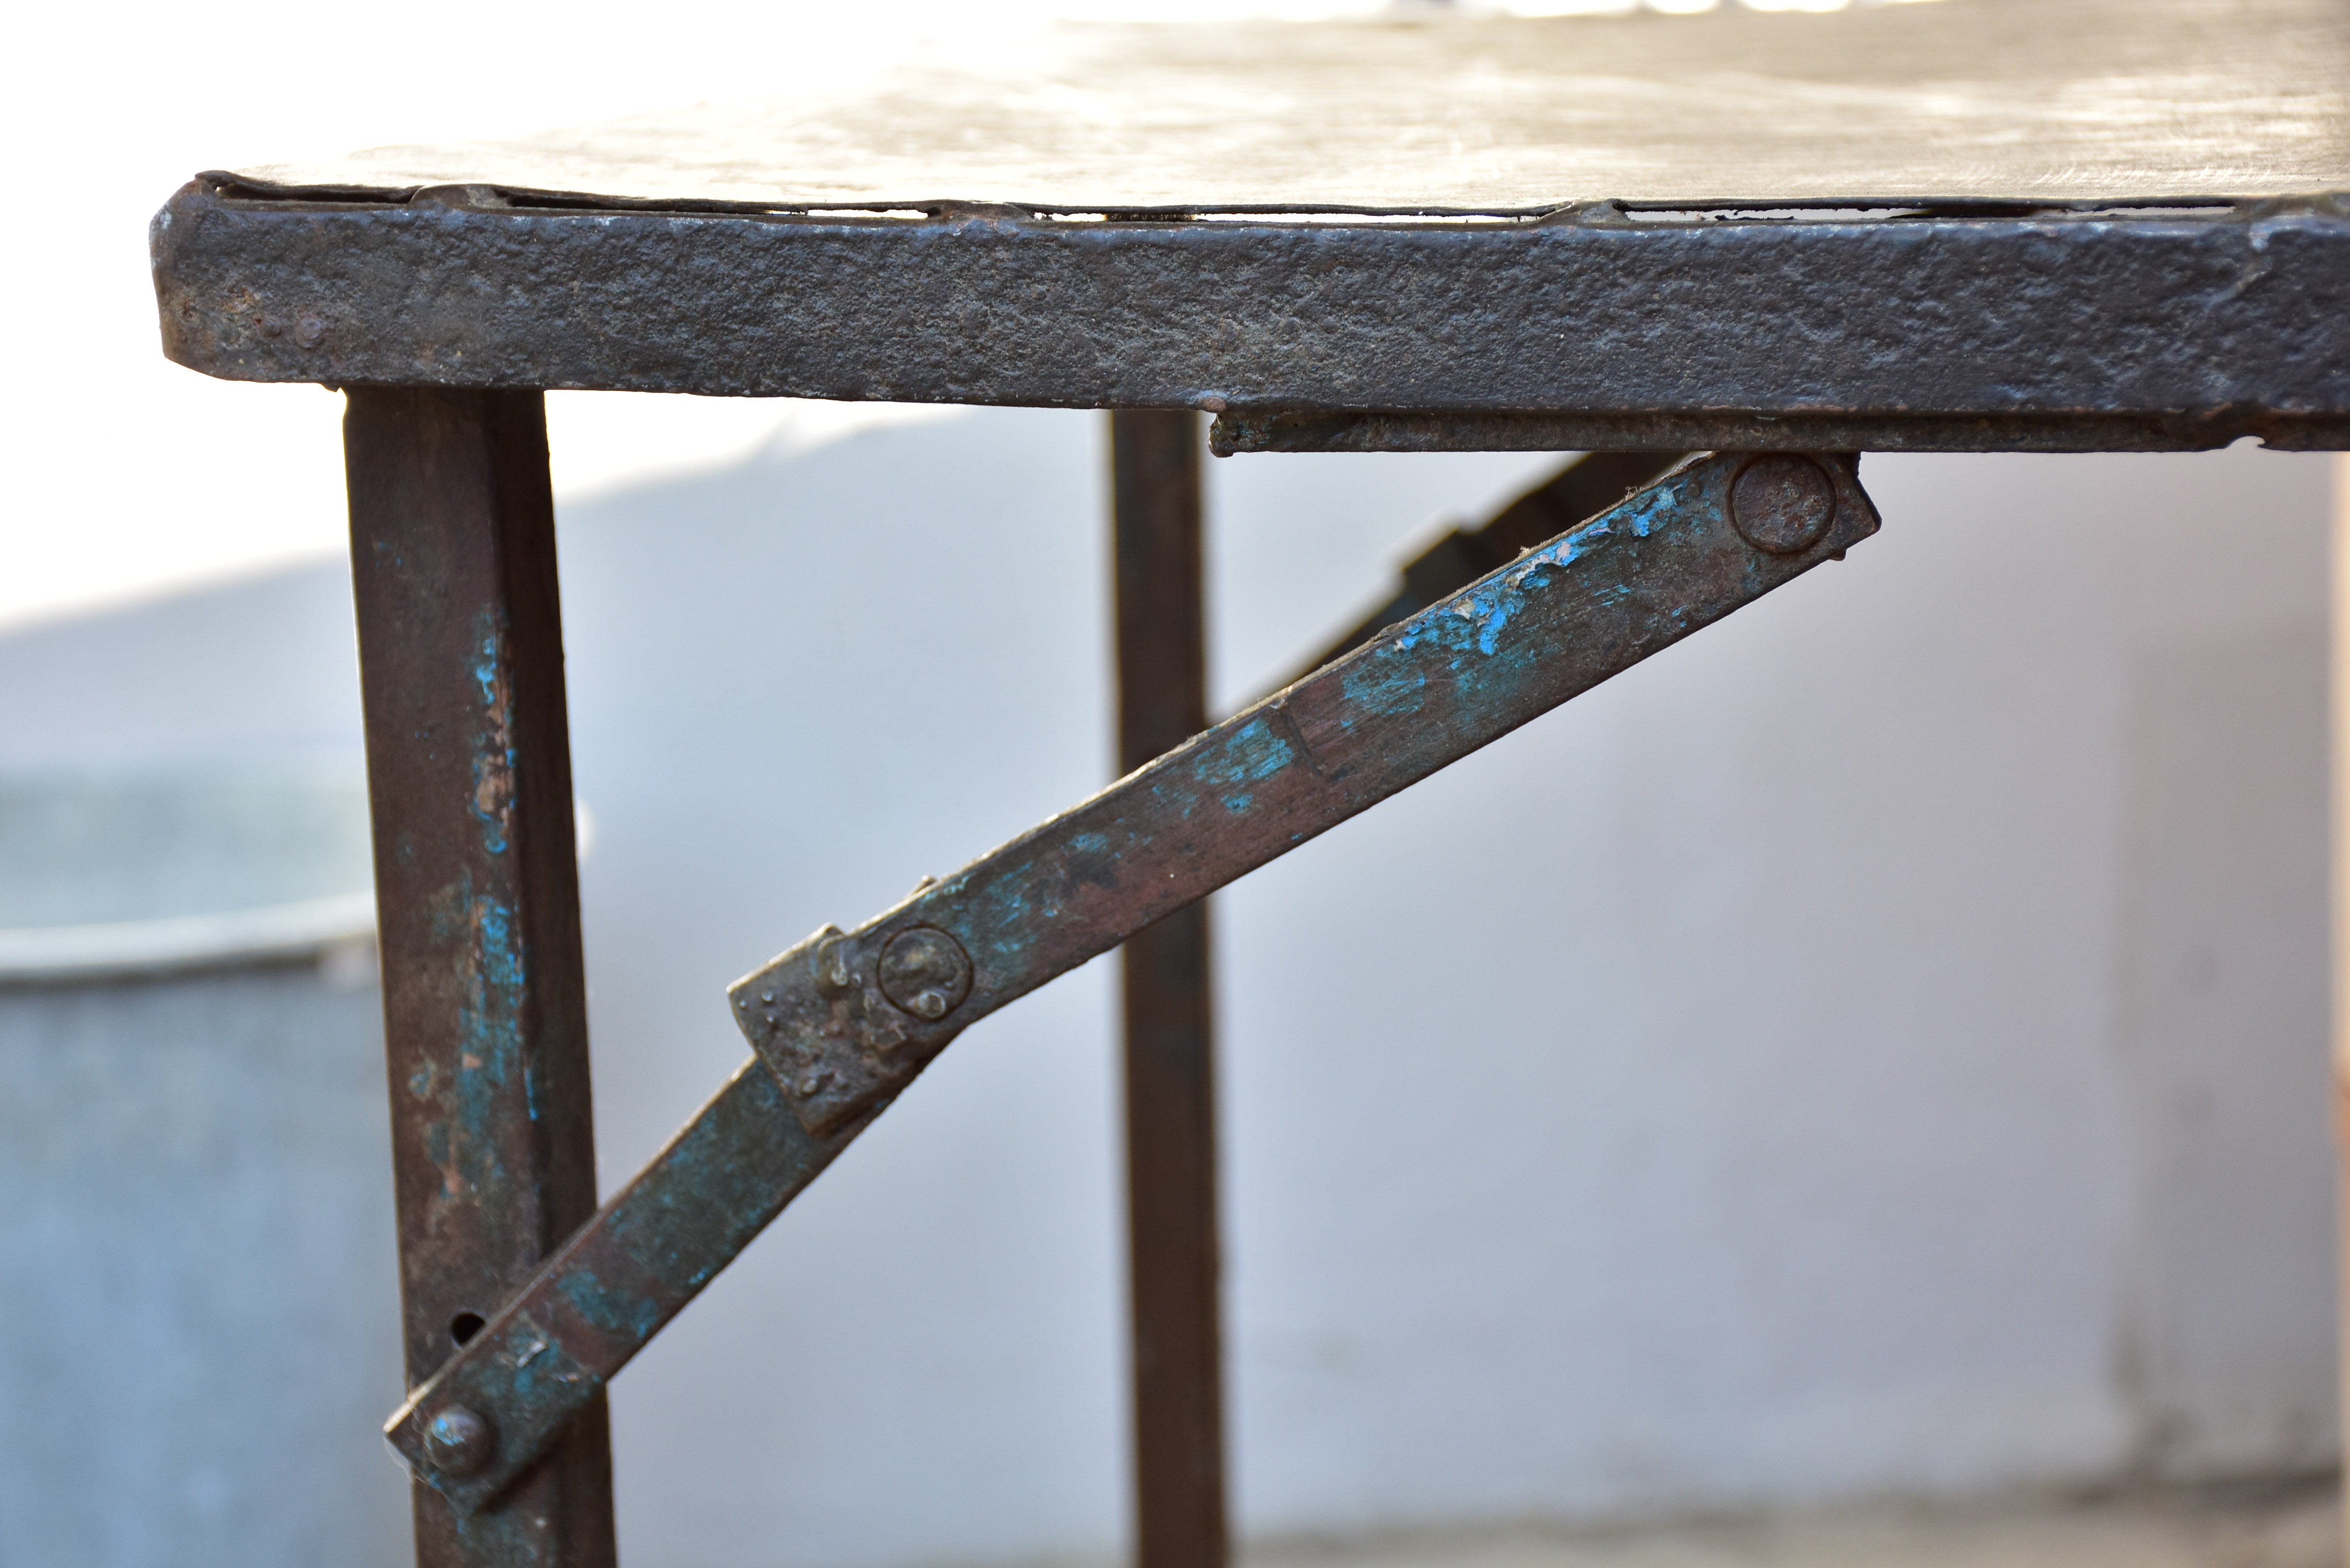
{"points": [[925, 970], [459, 1441], [845, 1019], [832, 964], [1783, 503]]}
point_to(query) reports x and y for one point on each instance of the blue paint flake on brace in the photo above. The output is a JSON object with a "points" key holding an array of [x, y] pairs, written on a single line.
{"points": [[612, 1312], [1004, 905], [1384, 684], [1251, 754], [1248, 755]]}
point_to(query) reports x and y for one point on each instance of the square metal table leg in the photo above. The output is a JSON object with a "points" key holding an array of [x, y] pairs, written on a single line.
{"points": [[477, 894], [2341, 933], [1170, 1112]]}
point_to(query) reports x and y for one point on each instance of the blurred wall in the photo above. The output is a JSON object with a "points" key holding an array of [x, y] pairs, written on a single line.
{"points": [[196, 1270], [1876, 1046], [195, 1259]]}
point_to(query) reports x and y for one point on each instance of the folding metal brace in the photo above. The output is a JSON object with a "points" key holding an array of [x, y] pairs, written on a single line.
{"points": [[842, 1022]]}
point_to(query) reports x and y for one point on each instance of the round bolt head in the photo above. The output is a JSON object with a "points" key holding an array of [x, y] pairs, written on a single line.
{"points": [[1781, 504], [925, 971], [459, 1441]]}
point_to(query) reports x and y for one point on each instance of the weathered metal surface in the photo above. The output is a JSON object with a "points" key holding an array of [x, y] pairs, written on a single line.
{"points": [[469, 777], [1168, 1015], [1681, 429], [547, 1354], [1584, 488], [833, 1049], [1781, 504], [1976, 329], [1456, 107]]}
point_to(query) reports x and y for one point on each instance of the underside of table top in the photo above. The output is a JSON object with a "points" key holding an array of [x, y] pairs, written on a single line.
{"points": [[1961, 224]]}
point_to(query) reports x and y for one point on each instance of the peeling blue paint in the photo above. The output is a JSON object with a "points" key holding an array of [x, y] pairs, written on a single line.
{"points": [[1250, 755], [495, 977], [618, 1313], [485, 673], [494, 757], [1381, 685], [494, 825]]}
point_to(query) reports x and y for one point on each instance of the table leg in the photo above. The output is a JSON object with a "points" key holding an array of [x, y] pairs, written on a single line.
{"points": [[477, 893], [1170, 1114], [2341, 944]]}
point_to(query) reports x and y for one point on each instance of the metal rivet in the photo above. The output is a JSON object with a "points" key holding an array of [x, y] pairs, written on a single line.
{"points": [[829, 964], [925, 971], [1781, 504], [459, 1441], [309, 332]]}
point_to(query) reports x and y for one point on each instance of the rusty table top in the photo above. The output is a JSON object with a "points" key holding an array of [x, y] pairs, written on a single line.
{"points": [[1966, 223]]}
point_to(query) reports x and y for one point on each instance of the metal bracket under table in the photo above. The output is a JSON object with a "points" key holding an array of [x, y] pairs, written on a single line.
{"points": [[842, 1022]]}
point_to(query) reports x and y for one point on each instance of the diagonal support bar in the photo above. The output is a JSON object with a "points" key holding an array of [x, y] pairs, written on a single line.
{"points": [[1584, 488], [844, 1021]]}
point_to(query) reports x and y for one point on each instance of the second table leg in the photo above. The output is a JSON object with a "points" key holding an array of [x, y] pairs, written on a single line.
{"points": [[1171, 1110]]}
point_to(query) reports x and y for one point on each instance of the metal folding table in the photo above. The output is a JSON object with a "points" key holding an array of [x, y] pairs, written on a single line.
{"points": [[1770, 241]]}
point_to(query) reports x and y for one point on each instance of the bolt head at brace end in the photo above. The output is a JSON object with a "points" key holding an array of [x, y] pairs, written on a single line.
{"points": [[1782, 503], [459, 1441], [925, 970]]}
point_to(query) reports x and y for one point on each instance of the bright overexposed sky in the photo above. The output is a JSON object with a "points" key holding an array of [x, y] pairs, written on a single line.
{"points": [[129, 476]]}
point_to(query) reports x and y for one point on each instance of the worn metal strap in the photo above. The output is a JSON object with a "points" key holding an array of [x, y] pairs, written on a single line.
{"points": [[844, 1021]]}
